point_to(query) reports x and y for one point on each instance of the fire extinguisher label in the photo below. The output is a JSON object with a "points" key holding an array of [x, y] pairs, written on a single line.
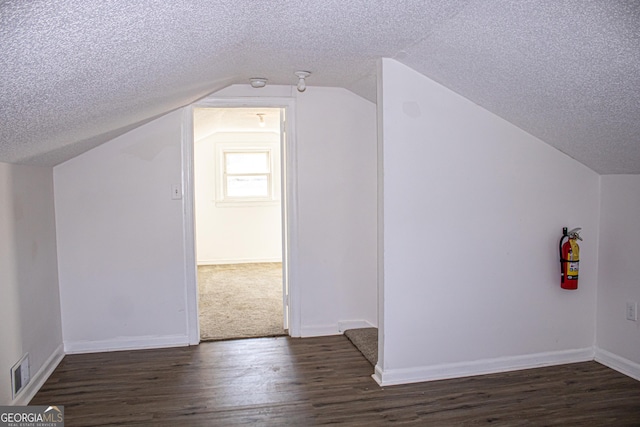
{"points": [[574, 259]]}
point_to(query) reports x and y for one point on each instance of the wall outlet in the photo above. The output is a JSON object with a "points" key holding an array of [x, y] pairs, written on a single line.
{"points": [[632, 311]]}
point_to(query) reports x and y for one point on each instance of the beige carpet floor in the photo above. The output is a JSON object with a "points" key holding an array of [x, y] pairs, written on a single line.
{"points": [[365, 340], [240, 301]]}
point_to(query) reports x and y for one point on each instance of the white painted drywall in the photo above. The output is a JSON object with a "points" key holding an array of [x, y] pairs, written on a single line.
{"points": [[619, 266], [337, 164], [120, 242], [229, 234], [473, 211], [120, 236], [29, 299], [10, 302]]}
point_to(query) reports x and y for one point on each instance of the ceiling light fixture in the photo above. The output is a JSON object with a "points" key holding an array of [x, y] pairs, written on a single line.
{"points": [[302, 85], [258, 82], [261, 122]]}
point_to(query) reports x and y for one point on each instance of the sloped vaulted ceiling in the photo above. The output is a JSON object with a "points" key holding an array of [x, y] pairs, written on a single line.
{"points": [[74, 74]]}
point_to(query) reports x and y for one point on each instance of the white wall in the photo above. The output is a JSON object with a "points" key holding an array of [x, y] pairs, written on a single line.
{"points": [[120, 236], [120, 242], [473, 209], [228, 234], [618, 339], [337, 163], [29, 299]]}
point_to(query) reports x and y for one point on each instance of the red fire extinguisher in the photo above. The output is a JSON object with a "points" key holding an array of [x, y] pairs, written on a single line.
{"points": [[569, 258]]}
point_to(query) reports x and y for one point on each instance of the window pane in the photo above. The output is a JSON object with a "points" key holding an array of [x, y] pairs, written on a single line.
{"points": [[247, 186], [247, 162]]}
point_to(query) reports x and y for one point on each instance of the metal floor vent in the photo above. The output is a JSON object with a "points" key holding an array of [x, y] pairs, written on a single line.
{"points": [[20, 375]]}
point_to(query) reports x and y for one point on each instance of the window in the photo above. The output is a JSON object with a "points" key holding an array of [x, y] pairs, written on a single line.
{"points": [[247, 174]]}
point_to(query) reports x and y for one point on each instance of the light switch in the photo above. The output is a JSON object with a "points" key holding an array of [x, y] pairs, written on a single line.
{"points": [[176, 192]]}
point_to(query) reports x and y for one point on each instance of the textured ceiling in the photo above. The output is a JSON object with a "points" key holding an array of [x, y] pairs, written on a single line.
{"points": [[74, 74]]}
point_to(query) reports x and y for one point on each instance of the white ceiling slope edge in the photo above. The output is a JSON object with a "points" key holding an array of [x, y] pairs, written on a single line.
{"points": [[75, 74]]}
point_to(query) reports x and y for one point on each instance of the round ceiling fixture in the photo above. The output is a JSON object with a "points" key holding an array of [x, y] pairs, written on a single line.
{"points": [[258, 82]]}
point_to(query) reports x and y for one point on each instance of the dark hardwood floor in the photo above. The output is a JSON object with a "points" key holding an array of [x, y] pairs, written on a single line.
{"points": [[313, 381]]}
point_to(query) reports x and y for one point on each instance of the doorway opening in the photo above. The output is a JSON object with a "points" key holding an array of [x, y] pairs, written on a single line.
{"points": [[240, 237]]}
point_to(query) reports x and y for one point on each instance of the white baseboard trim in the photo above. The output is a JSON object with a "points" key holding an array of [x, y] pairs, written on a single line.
{"points": [[38, 380], [618, 363], [354, 324], [237, 261], [480, 367], [377, 375], [334, 329], [126, 343], [318, 331]]}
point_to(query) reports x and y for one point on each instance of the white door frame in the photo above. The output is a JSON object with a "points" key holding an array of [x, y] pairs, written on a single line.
{"points": [[289, 206]]}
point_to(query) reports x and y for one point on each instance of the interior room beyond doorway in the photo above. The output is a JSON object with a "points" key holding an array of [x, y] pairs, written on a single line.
{"points": [[238, 212]]}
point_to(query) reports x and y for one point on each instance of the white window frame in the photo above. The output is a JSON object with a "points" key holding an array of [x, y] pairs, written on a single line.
{"points": [[273, 179]]}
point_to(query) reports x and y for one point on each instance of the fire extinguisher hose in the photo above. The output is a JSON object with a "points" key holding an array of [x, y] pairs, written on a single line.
{"points": [[562, 261]]}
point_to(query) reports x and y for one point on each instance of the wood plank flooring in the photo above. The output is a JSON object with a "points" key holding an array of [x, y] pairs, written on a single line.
{"points": [[315, 381]]}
